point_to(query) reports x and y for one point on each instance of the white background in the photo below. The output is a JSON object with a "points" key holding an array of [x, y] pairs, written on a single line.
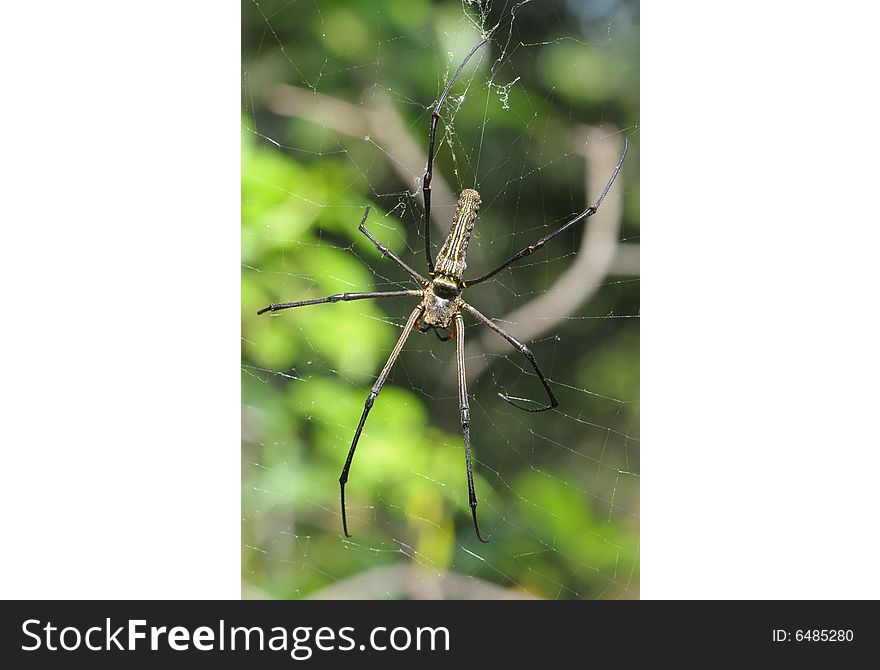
{"points": [[120, 449]]}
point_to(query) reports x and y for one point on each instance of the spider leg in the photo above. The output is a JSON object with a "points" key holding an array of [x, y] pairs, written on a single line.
{"points": [[525, 351], [387, 252], [424, 329], [532, 248], [429, 169], [419, 327], [340, 297], [377, 387], [452, 333], [466, 420]]}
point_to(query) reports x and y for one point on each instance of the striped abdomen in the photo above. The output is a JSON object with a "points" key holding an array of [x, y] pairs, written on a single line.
{"points": [[451, 259]]}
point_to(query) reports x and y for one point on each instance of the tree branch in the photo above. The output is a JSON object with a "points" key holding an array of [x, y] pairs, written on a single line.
{"points": [[599, 255], [380, 120], [408, 580]]}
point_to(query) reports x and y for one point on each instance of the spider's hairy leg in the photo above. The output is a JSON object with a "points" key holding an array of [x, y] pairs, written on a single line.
{"points": [[377, 387], [387, 252], [532, 248], [341, 297], [525, 351], [458, 328]]}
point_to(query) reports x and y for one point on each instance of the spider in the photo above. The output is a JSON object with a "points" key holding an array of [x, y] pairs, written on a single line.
{"points": [[441, 305]]}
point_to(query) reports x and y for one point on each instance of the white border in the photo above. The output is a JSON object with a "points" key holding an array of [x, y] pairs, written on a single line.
{"points": [[121, 471], [759, 290]]}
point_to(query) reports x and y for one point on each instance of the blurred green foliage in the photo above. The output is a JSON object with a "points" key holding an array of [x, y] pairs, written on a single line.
{"points": [[558, 490]]}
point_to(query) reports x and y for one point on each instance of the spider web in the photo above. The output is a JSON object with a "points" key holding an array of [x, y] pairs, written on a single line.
{"points": [[337, 100]]}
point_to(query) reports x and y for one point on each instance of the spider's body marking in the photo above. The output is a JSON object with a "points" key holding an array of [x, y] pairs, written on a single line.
{"points": [[451, 259], [443, 292]]}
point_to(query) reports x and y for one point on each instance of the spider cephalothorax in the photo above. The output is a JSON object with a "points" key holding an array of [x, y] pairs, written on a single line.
{"points": [[441, 304]]}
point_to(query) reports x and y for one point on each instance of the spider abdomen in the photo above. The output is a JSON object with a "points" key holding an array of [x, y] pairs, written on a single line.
{"points": [[451, 259]]}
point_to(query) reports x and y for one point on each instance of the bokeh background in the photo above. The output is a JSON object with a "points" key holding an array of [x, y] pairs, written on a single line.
{"points": [[336, 102]]}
